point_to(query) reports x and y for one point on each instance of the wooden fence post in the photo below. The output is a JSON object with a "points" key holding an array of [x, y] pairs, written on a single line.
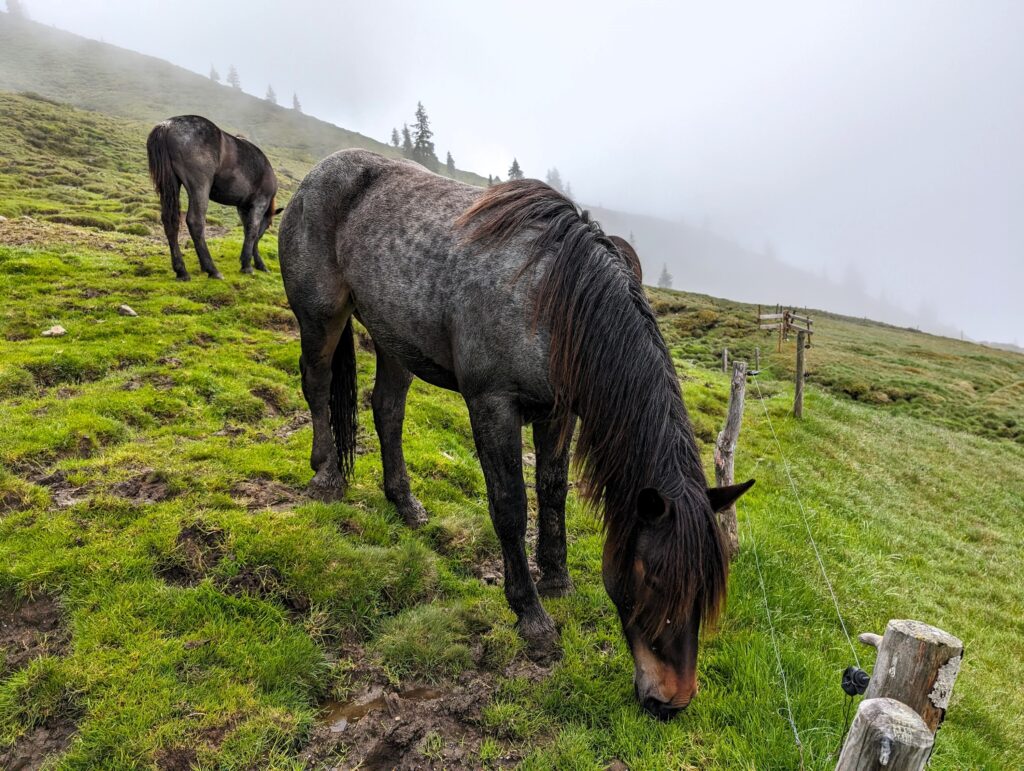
{"points": [[725, 360], [886, 735], [725, 453], [798, 394], [757, 359], [917, 664]]}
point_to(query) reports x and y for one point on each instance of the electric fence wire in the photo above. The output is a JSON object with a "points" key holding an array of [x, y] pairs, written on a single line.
{"points": [[807, 525], [775, 644]]}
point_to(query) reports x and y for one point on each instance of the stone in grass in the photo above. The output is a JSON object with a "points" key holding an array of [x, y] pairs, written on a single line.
{"points": [[126, 310], [55, 331]]}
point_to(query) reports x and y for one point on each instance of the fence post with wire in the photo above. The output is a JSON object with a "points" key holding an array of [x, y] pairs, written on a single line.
{"points": [[906, 697]]}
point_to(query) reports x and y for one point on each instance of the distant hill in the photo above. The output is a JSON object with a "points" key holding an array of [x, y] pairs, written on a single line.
{"points": [[105, 78]]}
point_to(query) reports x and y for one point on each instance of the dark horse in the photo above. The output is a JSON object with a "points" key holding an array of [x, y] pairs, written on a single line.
{"points": [[511, 297], [213, 166]]}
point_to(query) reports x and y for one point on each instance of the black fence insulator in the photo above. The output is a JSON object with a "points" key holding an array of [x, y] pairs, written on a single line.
{"points": [[855, 681]]}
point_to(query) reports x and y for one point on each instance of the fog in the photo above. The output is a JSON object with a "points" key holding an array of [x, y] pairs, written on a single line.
{"points": [[873, 143]]}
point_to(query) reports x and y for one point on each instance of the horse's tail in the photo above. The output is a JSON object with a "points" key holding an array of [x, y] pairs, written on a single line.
{"points": [[344, 409], [161, 171]]}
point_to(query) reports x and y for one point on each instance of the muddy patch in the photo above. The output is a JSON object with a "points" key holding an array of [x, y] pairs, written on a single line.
{"points": [[63, 491], [421, 727], [198, 549], [259, 494], [267, 583], [275, 397], [39, 746], [30, 629], [300, 420], [185, 758], [148, 486]]}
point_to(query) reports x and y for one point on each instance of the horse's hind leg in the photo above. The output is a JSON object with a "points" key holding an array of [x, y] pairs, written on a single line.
{"points": [[497, 430], [251, 217], [325, 386], [552, 487], [198, 200], [171, 218], [389, 393]]}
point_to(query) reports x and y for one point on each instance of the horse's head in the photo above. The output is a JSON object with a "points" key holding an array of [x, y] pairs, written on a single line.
{"points": [[665, 577]]}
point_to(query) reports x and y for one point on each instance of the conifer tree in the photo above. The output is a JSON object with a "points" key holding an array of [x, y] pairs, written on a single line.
{"points": [[450, 164], [514, 172], [406, 141], [296, 104], [233, 80], [271, 95], [423, 144], [395, 141], [555, 179], [214, 75], [665, 279]]}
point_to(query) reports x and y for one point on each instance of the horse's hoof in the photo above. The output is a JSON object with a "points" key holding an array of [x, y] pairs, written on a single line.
{"points": [[542, 641], [216, 275], [555, 586], [247, 270], [183, 277], [413, 513], [262, 268], [325, 493]]}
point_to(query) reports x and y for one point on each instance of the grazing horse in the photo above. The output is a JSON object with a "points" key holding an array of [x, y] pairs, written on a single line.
{"points": [[213, 166], [513, 298]]}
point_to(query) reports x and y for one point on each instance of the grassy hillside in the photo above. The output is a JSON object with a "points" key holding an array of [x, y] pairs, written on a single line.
{"points": [[104, 78], [169, 598]]}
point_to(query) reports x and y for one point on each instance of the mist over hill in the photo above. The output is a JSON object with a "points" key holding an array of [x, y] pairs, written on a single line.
{"points": [[105, 78]]}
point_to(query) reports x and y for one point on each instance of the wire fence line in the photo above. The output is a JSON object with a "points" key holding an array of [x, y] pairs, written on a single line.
{"points": [[807, 525]]}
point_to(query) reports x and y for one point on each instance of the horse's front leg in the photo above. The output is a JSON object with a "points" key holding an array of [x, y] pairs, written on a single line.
{"points": [[497, 431], [389, 392], [552, 488]]}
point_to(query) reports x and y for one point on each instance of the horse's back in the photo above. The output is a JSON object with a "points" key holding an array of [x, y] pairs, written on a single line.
{"points": [[386, 228]]}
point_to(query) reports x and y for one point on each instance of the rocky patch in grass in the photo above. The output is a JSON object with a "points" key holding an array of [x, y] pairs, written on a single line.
{"points": [[198, 549], [29, 629]]}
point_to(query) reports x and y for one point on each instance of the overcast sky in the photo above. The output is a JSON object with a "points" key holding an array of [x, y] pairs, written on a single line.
{"points": [[889, 135]]}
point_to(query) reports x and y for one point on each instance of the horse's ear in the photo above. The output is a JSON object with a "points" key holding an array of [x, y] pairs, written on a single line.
{"points": [[650, 504], [724, 497], [278, 210]]}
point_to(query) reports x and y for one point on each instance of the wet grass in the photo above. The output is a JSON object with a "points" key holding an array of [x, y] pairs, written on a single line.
{"points": [[152, 470]]}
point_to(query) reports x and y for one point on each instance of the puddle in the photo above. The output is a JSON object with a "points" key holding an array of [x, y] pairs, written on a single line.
{"points": [[338, 714]]}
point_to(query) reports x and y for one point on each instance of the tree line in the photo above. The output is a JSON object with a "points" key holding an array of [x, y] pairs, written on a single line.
{"points": [[235, 82]]}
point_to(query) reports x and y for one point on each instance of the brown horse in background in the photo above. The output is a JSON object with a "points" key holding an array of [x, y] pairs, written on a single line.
{"points": [[214, 166]]}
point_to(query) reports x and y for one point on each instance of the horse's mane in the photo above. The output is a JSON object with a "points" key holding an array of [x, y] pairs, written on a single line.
{"points": [[609, 364]]}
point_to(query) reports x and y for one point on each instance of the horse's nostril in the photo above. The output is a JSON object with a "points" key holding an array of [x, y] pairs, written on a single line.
{"points": [[660, 709]]}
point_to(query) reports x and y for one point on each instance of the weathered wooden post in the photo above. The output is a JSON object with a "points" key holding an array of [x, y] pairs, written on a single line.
{"points": [[798, 393], [725, 360], [886, 735], [917, 664], [725, 453], [757, 359]]}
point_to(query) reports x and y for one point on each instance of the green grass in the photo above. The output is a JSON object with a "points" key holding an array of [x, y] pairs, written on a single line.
{"points": [[245, 625]]}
